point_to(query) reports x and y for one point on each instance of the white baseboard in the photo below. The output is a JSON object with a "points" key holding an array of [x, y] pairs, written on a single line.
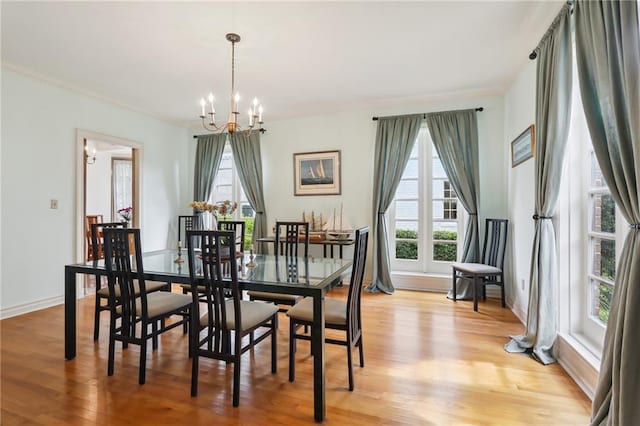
{"points": [[422, 282], [518, 311], [579, 363], [30, 307]]}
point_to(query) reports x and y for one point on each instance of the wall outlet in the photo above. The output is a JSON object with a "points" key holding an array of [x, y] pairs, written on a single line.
{"points": [[54, 204]]}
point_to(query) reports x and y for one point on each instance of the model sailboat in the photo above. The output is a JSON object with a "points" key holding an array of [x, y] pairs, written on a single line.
{"points": [[338, 226]]}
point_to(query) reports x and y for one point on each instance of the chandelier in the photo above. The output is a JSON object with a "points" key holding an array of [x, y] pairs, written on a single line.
{"points": [[231, 126]]}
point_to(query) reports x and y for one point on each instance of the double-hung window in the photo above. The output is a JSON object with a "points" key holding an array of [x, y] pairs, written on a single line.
{"points": [[425, 218], [227, 186], [595, 238]]}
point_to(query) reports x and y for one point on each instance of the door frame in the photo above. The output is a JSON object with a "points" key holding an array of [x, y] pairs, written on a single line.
{"points": [[137, 150]]}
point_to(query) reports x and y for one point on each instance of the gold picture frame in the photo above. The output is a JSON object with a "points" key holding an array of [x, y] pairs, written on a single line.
{"points": [[523, 147], [317, 173]]}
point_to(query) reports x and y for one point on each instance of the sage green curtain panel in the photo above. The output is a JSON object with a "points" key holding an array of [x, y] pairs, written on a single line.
{"points": [[209, 151], [248, 160], [455, 136], [394, 141], [553, 113], [608, 59]]}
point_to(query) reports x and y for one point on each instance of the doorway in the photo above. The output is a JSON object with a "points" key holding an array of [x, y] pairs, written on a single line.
{"points": [[108, 189]]}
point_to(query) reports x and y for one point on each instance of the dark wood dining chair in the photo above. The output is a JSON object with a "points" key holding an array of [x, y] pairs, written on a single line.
{"points": [[89, 220], [491, 269], [223, 313], [102, 293], [186, 222], [238, 227], [131, 304], [291, 240], [339, 315]]}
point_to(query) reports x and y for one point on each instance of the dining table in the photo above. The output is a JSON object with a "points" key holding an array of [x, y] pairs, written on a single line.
{"points": [[308, 277]]}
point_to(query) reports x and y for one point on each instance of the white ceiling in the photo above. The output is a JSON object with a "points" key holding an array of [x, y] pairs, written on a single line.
{"points": [[297, 58]]}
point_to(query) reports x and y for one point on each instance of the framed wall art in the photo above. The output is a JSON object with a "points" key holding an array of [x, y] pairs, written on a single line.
{"points": [[316, 173], [523, 147]]}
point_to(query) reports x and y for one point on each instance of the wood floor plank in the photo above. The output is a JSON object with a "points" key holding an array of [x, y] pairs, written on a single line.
{"points": [[428, 361]]}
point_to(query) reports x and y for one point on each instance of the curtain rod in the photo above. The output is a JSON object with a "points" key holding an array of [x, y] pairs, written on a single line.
{"points": [[533, 55], [424, 115], [197, 136]]}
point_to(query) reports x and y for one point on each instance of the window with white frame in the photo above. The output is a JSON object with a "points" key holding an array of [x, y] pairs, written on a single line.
{"points": [[227, 186], [424, 217], [595, 238]]}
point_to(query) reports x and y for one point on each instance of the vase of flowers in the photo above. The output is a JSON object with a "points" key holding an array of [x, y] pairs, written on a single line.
{"points": [[126, 214], [224, 208]]}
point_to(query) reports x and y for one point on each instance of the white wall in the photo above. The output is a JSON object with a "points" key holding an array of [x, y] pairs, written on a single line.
{"points": [[519, 106], [353, 132], [39, 122]]}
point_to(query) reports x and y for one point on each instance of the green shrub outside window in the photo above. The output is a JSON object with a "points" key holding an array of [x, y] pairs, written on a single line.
{"points": [[445, 252]]}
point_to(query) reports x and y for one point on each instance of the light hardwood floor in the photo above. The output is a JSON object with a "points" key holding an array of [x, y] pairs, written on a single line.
{"points": [[428, 361]]}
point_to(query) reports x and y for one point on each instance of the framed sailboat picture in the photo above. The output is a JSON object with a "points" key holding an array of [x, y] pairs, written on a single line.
{"points": [[316, 173]]}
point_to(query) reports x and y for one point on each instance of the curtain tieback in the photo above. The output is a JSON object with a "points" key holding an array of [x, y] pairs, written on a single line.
{"points": [[259, 212], [537, 217], [635, 226], [472, 214]]}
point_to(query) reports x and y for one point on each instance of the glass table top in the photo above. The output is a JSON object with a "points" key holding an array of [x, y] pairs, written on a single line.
{"points": [[267, 269]]}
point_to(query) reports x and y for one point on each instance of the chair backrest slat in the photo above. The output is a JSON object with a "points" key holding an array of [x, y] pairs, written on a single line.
{"points": [[237, 226], [209, 280], [289, 236], [186, 222], [354, 321], [122, 253], [495, 242], [97, 241]]}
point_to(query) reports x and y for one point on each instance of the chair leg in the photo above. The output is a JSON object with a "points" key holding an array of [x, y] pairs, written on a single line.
{"points": [[484, 292], [292, 350], [360, 348], [154, 331], [274, 345], [454, 286], [502, 290], [236, 372], [350, 364], [193, 337], [143, 354], [227, 343], [185, 326], [112, 345], [96, 318], [475, 294]]}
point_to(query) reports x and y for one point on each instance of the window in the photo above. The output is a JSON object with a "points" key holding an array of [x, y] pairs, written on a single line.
{"points": [[424, 216], [601, 241], [596, 231], [227, 186]]}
